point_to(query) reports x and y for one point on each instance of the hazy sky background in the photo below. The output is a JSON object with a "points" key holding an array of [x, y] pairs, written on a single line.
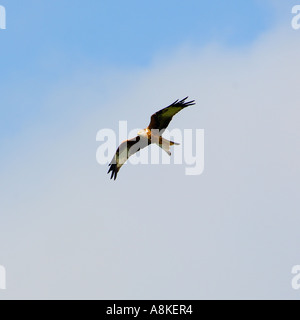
{"points": [[69, 69]]}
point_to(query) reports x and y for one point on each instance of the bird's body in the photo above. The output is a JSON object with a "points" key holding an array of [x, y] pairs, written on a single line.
{"points": [[152, 134]]}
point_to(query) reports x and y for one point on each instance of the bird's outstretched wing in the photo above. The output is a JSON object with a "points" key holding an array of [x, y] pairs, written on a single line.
{"points": [[161, 119], [125, 150]]}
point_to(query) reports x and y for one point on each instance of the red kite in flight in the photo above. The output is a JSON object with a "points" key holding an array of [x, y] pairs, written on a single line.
{"points": [[152, 134]]}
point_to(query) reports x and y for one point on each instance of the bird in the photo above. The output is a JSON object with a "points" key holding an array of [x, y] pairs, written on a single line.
{"points": [[151, 135]]}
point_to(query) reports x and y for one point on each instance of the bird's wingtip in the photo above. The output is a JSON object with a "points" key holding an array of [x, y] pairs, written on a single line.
{"points": [[187, 103], [114, 171]]}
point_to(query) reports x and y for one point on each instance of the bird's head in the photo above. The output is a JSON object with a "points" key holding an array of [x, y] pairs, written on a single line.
{"points": [[143, 133]]}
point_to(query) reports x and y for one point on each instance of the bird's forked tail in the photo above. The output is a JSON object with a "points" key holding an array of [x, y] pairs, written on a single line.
{"points": [[165, 145]]}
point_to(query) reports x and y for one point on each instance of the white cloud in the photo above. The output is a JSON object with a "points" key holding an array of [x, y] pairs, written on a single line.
{"points": [[67, 231]]}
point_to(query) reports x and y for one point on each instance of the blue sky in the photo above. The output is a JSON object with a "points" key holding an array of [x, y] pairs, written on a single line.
{"points": [[47, 41], [71, 68], [123, 33]]}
